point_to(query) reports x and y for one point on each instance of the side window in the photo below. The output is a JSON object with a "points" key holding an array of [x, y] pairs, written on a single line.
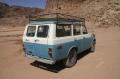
{"points": [[76, 29], [63, 30], [42, 31], [84, 30], [31, 31]]}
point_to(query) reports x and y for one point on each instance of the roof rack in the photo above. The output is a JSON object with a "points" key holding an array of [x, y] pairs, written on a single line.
{"points": [[58, 17]]}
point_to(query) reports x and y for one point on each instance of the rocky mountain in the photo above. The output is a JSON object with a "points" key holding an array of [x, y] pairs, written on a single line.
{"points": [[3, 9], [6, 10], [102, 13], [16, 15]]}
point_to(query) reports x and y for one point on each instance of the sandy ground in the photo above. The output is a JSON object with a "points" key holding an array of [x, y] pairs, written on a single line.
{"points": [[104, 63]]}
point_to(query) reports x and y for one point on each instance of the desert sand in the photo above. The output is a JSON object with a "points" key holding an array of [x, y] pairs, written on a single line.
{"points": [[104, 63]]}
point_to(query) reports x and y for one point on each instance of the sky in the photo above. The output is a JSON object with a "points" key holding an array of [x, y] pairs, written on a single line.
{"points": [[27, 3]]}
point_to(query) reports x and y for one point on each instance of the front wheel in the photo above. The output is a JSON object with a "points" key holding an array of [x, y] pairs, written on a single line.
{"points": [[71, 59]]}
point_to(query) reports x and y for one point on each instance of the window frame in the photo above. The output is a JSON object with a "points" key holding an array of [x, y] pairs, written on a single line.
{"points": [[79, 31], [85, 30], [34, 31], [38, 29], [69, 25]]}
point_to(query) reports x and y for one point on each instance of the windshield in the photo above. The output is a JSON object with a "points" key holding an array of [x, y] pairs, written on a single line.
{"points": [[42, 31]]}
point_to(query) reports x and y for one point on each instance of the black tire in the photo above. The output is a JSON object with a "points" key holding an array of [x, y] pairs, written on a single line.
{"points": [[92, 48], [71, 60]]}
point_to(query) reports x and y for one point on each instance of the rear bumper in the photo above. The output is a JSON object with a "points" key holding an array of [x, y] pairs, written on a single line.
{"points": [[43, 60]]}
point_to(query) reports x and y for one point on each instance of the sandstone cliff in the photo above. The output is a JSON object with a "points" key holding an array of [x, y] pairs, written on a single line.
{"points": [[103, 13]]}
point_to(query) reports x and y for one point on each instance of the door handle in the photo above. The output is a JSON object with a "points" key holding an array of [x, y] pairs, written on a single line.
{"points": [[26, 40], [36, 40]]}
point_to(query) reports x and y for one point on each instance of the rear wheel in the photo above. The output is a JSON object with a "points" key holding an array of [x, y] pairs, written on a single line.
{"points": [[71, 59]]}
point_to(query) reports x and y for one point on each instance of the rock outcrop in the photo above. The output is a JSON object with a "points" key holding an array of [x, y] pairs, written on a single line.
{"points": [[6, 10], [103, 13], [16, 15]]}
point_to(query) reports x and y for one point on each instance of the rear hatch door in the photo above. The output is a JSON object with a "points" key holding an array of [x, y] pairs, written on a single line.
{"points": [[35, 41], [41, 41]]}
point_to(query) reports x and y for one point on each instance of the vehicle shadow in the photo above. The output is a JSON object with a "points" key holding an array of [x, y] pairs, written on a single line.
{"points": [[83, 54], [56, 67], [53, 68]]}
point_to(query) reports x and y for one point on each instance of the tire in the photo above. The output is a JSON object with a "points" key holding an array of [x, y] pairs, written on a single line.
{"points": [[71, 60], [92, 48]]}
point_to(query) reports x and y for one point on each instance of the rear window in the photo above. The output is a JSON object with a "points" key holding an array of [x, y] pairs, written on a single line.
{"points": [[31, 31], [42, 31]]}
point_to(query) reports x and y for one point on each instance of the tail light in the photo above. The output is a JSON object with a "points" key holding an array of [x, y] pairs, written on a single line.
{"points": [[50, 50]]}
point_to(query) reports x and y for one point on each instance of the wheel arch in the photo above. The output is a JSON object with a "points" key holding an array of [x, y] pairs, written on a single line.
{"points": [[73, 47]]}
